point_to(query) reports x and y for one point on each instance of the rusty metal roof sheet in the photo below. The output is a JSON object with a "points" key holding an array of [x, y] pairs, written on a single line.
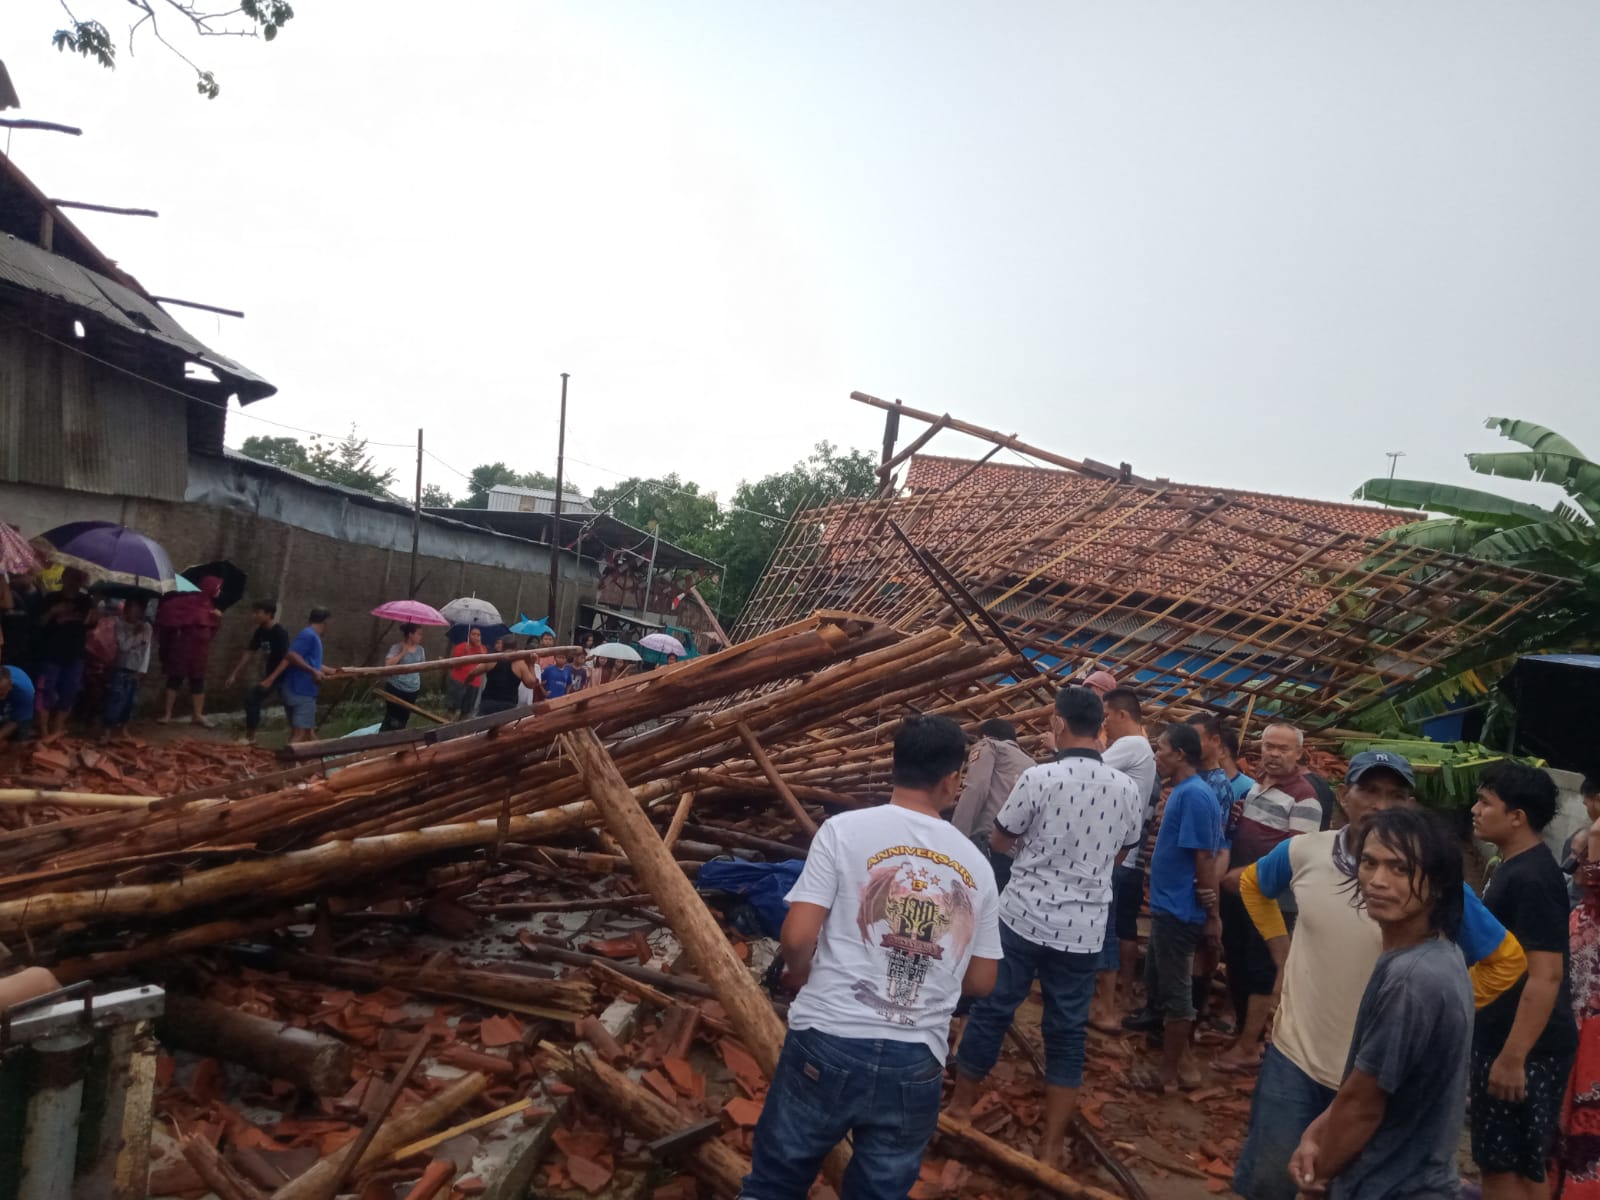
{"points": [[36, 270]]}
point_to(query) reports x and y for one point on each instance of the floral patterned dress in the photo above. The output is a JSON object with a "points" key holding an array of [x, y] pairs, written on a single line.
{"points": [[1578, 1150]]}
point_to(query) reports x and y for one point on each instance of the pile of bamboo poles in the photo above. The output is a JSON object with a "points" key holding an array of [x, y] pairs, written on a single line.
{"points": [[802, 715]]}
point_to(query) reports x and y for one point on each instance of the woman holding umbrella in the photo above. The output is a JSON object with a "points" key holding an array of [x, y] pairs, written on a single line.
{"points": [[185, 624], [406, 687]]}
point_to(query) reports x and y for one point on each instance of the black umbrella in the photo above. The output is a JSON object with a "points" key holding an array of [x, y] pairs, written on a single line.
{"points": [[233, 580]]}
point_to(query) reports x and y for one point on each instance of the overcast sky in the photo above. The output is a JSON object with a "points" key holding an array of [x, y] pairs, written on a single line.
{"points": [[1254, 245]]}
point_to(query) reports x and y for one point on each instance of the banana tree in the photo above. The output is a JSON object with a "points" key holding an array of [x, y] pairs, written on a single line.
{"points": [[1561, 540]]}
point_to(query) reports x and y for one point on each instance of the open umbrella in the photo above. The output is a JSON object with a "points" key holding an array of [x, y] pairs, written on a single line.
{"points": [[411, 612], [469, 610], [617, 651], [663, 643], [490, 634], [233, 580], [531, 628], [17, 557], [111, 553]]}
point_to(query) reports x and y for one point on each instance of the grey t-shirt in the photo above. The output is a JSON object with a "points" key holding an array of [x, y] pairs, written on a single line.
{"points": [[411, 681], [1414, 1035]]}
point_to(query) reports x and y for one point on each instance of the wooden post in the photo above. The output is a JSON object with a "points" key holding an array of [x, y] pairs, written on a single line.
{"points": [[749, 1011], [790, 800], [314, 1061], [1023, 1166]]}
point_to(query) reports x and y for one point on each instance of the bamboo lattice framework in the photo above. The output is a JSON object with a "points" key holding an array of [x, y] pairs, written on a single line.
{"points": [[1199, 597]]}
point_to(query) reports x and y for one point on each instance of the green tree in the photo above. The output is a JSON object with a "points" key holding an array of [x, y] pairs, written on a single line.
{"points": [[347, 462], [1561, 540], [279, 451], [434, 496], [760, 512], [247, 18], [687, 517], [489, 475]]}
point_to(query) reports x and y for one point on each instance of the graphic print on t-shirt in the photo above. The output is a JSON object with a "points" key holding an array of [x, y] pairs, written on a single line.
{"points": [[918, 912]]}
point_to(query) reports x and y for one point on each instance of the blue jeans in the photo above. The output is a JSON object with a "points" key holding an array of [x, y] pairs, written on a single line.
{"points": [[1066, 982], [1285, 1102], [886, 1094], [122, 693]]}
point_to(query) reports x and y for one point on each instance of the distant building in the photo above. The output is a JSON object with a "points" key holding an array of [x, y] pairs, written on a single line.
{"points": [[506, 497]]}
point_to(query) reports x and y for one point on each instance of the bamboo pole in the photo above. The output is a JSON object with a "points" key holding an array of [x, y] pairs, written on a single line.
{"points": [[446, 664], [749, 1011], [679, 816], [21, 796]]}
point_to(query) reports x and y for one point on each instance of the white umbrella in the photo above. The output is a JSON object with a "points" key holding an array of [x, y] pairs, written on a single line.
{"points": [[663, 643], [617, 651], [469, 610]]}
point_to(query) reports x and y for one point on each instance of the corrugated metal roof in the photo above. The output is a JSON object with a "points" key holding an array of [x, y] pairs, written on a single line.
{"points": [[35, 269]]}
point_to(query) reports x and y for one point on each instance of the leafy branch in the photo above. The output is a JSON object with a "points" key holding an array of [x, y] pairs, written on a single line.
{"points": [[251, 18]]}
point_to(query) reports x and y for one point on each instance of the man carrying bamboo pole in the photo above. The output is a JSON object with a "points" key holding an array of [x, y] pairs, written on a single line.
{"points": [[893, 918]]}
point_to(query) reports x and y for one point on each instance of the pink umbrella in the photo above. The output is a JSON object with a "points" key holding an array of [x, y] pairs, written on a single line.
{"points": [[17, 557], [410, 612]]}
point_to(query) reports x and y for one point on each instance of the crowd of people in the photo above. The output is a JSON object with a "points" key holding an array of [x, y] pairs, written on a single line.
{"points": [[69, 652], [1373, 995]]}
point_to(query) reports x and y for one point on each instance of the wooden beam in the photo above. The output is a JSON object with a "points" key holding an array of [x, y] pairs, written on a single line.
{"points": [[105, 208], [210, 308], [790, 800], [990, 435], [43, 126]]}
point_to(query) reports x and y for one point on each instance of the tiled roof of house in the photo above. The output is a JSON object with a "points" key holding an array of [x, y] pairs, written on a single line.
{"points": [[935, 473]]}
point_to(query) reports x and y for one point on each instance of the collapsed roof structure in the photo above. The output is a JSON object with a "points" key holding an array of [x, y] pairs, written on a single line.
{"points": [[1199, 596]]}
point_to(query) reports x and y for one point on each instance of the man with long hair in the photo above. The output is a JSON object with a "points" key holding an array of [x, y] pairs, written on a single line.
{"points": [[1394, 1123]]}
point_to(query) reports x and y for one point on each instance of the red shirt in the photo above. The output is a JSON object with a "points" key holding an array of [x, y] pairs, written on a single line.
{"points": [[460, 674]]}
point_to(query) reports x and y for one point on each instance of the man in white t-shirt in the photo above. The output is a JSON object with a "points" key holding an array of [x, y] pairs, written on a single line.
{"points": [[1069, 821], [894, 917], [1128, 750]]}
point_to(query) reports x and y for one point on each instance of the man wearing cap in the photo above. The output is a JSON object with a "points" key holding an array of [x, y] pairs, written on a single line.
{"points": [[1323, 971]]}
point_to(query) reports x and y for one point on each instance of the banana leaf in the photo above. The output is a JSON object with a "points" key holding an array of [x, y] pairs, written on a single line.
{"points": [[1534, 437], [1468, 503], [1578, 477]]}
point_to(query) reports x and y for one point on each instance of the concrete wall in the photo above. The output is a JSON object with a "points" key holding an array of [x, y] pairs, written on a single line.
{"points": [[302, 569]]}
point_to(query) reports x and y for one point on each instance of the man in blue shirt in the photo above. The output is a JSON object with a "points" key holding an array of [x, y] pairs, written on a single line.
{"points": [[1183, 907], [302, 675], [16, 705]]}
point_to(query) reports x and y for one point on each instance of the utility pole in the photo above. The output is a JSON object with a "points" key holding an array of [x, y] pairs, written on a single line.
{"points": [[416, 520], [555, 528], [1394, 457], [650, 575]]}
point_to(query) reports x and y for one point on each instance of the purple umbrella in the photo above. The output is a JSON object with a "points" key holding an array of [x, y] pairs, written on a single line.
{"points": [[110, 553]]}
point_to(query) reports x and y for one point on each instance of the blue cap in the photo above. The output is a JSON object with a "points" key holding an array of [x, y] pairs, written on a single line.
{"points": [[1368, 760]]}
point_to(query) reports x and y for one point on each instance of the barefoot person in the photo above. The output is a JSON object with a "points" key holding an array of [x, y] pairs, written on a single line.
{"points": [[1394, 1123], [1068, 821], [1325, 967], [1183, 908], [892, 919]]}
